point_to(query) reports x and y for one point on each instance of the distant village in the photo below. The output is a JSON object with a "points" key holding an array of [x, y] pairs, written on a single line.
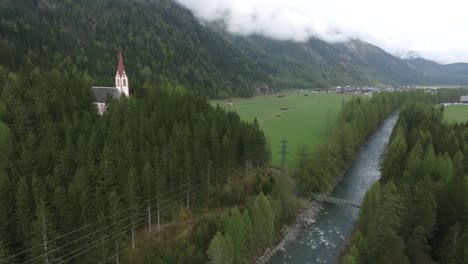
{"points": [[366, 90]]}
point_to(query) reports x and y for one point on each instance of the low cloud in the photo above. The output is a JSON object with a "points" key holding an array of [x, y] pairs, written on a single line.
{"points": [[431, 29]]}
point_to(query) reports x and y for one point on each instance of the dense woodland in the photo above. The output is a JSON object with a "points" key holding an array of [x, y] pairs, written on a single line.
{"points": [[65, 168], [418, 211]]}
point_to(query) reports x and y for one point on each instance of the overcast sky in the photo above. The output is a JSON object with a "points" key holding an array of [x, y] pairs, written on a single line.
{"points": [[436, 30]]}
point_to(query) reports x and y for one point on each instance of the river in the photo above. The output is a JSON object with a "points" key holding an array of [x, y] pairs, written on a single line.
{"points": [[322, 242]]}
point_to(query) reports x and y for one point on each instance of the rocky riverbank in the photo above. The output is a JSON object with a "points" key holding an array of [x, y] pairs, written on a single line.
{"points": [[303, 220]]}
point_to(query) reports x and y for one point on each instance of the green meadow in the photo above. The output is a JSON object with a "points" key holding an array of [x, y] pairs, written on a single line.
{"points": [[295, 117], [456, 113]]}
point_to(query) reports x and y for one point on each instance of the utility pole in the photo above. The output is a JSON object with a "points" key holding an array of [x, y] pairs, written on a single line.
{"points": [[148, 202], [209, 167], [188, 190], [328, 118], [208, 176], [45, 238], [116, 252], [283, 156], [133, 234], [149, 216], [159, 216]]}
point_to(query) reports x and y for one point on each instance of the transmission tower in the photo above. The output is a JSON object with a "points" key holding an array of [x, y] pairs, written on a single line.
{"points": [[283, 156]]}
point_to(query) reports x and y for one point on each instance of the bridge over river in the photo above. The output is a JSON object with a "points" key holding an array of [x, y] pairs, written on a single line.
{"points": [[323, 241], [334, 200]]}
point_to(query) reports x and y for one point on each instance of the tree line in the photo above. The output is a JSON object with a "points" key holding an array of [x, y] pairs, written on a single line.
{"points": [[72, 178], [418, 211]]}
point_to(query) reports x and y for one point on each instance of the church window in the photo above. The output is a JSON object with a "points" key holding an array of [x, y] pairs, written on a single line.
{"points": [[124, 82]]}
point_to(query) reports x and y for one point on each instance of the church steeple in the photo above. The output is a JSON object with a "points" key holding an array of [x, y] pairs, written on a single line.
{"points": [[121, 79], [120, 67]]}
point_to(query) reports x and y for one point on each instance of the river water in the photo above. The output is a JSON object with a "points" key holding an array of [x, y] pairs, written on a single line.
{"points": [[322, 242]]}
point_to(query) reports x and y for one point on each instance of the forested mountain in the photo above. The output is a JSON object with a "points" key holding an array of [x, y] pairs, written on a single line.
{"points": [[418, 211], [165, 44], [317, 63], [449, 74], [162, 41]]}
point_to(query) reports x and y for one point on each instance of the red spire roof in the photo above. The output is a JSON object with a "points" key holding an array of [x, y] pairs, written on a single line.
{"points": [[120, 67]]}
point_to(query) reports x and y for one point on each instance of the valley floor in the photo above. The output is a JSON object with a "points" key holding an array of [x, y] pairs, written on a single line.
{"points": [[299, 117], [456, 113]]}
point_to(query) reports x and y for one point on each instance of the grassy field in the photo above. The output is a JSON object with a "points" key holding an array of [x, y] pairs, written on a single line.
{"points": [[304, 121], [456, 113]]}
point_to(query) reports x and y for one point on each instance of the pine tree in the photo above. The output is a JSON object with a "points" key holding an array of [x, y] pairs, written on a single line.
{"points": [[61, 208], [444, 171], [386, 246], [247, 232], [5, 144], [133, 203], [24, 213], [414, 164], [351, 256], [424, 207], [7, 196], [116, 224], [428, 162], [395, 159], [221, 250], [417, 246], [369, 206], [43, 231], [262, 217], [4, 254], [451, 248], [239, 234]]}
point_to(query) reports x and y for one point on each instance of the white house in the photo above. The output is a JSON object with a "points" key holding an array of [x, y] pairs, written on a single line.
{"points": [[464, 99], [102, 94]]}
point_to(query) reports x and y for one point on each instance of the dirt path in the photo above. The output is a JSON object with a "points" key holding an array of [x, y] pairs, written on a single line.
{"points": [[273, 115], [283, 111]]}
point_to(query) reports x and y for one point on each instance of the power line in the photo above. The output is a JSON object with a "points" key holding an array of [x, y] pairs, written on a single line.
{"points": [[125, 229], [151, 235], [139, 222], [106, 227], [245, 157]]}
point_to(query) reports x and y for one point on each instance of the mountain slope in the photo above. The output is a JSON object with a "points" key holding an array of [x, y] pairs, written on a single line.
{"points": [[161, 40], [164, 43], [448, 74], [318, 63]]}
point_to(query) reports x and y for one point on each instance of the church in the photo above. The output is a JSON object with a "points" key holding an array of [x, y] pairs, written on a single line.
{"points": [[102, 94]]}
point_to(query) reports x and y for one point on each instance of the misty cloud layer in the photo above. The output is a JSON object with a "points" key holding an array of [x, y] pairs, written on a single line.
{"points": [[430, 29]]}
